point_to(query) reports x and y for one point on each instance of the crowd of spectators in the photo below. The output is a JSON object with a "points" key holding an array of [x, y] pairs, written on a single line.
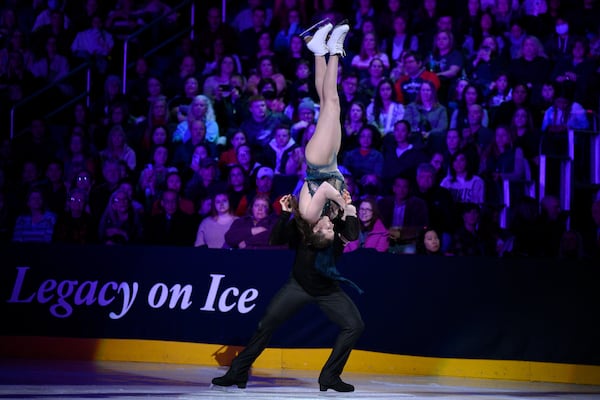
{"points": [[442, 101]]}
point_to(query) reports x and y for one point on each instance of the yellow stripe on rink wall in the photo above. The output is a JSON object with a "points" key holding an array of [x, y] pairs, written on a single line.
{"points": [[307, 359]]}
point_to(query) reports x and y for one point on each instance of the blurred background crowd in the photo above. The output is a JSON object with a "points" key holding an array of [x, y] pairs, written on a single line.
{"points": [[179, 122]]}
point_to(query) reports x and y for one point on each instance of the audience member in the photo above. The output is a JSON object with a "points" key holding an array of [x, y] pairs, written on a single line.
{"points": [[464, 185], [36, 225], [427, 117], [212, 229], [429, 243], [440, 205], [404, 215], [276, 154], [171, 227], [253, 230], [200, 109], [385, 110], [119, 223], [409, 83], [75, 225], [402, 157], [94, 44], [365, 159], [354, 120], [468, 240], [261, 122], [372, 233]]}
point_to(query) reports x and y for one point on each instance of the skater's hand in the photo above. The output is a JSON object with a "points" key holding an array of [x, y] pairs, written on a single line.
{"points": [[346, 196], [286, 203]]}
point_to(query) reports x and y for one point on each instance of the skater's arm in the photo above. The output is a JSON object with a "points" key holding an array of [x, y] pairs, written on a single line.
{"points": [[311, 207]]}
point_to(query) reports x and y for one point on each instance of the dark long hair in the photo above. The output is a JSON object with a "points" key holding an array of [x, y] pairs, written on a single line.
{"points": [[308, 236]]}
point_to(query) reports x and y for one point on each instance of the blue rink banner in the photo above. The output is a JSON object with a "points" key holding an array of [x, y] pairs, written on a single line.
{"points": [[457, 307]]}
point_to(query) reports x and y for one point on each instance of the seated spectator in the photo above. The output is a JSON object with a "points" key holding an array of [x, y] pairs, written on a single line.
{"points": [[261, 122], [408, 84], [57, 27], [467, 240], [301, 87], [501, 160], [221, 79], [385, 110], [177, 80], [253, 230], [117, 148], [426, 116], [460, 117], [505, 111], [306, 114], [184, 152], [201, 109], [464, 185], [246, 159], [440, 205], [578, 69], [100, 193], [199, 154], [399, 42], [429, 243], [51, 66], [75, 225], [404, 215], [178, 104], [127, 186], [78, 155], [485, 65], [94, 45], [532, 67], [36, 225], [204, 182], [498, 93], [564, 114], [446, 60], [279, 148], [372, 233], [173, 183], [237, 189], [373, 75], [228, 157], [402, 158], [369, 51], [212, 229], [527, 136], [366, 159], [120, 224], [475, 132], [351, 92], [171, 227], [354, 121], [266, 68]]}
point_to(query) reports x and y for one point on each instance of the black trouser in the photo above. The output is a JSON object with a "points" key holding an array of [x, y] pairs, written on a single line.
{"points": [[338, 307]]}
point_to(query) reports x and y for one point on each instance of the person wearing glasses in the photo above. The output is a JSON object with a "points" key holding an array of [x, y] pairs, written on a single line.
{"points": [[372, 232]]}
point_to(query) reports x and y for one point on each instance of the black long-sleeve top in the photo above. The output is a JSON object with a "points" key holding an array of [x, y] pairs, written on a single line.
{"points": [[303, 270]]}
